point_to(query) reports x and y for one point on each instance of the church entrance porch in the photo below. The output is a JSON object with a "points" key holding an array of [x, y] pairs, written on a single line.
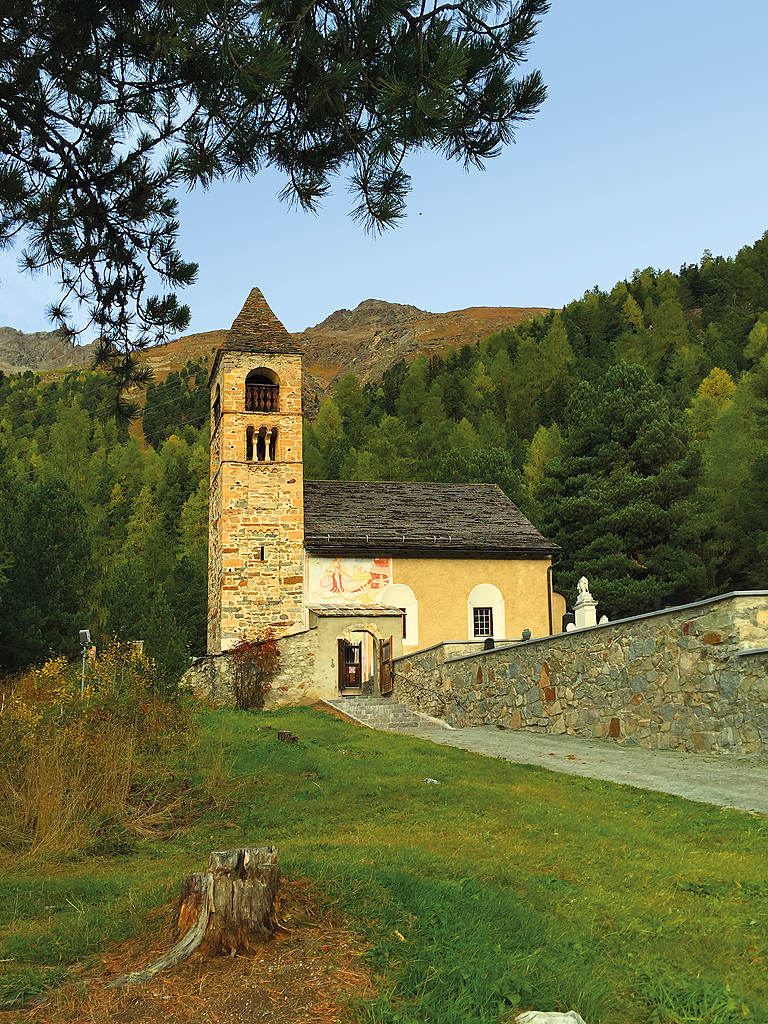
{"points": [[355, 649]]}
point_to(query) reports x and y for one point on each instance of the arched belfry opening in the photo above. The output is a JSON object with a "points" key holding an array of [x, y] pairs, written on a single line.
{"points": [[262, 391]]}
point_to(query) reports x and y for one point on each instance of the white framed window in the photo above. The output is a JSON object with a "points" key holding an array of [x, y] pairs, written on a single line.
{"points": [[398, 595], [483, 621], [485, 613]]}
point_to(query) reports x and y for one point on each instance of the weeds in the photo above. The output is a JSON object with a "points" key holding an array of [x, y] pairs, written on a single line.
{"points": [[76, 765]]}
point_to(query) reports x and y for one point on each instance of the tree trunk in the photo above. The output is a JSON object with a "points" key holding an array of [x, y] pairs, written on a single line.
{"points": [[228, 909]]}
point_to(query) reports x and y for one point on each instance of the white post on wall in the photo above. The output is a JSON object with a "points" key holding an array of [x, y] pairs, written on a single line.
{"points": [[584, 609]]}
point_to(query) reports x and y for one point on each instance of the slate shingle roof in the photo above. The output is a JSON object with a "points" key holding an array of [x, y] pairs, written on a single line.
{"points": [[424, 518], [257, 328]]}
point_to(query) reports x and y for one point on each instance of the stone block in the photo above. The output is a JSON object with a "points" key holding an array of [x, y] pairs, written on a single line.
{"points": [[729, 684], [558, 725], [712, 638], [728, 737], [749, 734], [672, 682], [702, 740]]}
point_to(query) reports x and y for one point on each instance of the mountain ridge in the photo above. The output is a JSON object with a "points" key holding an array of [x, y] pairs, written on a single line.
{"points": [[366, 341]]}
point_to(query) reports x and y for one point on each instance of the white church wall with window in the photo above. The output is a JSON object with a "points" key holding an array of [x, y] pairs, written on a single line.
{"points": [[486, 613]]}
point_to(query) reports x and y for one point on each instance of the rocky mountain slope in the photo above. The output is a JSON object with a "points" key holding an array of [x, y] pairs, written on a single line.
{"points": [[364, 341], [43, 350]]}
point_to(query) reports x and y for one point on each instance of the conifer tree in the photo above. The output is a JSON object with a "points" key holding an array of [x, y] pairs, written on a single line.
{"points": [[107, 108], [618, 499], [50, 548]]}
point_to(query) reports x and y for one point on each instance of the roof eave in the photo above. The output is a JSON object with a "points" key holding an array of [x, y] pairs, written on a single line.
{"points": [[352, 548]]}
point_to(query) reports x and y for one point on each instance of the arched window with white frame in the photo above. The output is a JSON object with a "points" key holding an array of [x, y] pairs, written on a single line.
{"points": [[485, 613], [398, 595]]}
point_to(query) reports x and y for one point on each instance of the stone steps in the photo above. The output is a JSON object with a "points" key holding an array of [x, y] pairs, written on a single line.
{"points": [[385, 714]]}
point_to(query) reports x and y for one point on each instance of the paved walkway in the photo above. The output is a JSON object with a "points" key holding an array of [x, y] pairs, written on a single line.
{"points": [[740, 783]]}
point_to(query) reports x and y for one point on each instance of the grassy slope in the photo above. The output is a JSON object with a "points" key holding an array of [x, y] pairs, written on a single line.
{"points": [[504, 884]]}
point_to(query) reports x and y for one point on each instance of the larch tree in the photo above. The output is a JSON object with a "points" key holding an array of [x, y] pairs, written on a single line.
{"points": [[618, 500]]}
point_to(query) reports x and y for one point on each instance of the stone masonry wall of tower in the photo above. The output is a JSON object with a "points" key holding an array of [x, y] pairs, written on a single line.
{"points": [[256, 554]]}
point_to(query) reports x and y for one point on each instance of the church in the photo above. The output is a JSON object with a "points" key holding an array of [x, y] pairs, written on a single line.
{"points": [[350, 575]]}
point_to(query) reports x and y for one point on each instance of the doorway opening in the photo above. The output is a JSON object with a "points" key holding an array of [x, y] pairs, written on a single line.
{"points": [[365, 664]]}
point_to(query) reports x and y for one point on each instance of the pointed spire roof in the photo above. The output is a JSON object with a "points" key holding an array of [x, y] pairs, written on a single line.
{"points": [[257, 329]]}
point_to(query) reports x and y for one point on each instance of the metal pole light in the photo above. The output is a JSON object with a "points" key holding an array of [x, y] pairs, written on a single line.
{"points": [[85, 642]]}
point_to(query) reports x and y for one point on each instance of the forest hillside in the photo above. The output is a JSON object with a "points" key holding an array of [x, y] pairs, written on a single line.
{"points": [[631, 427]]}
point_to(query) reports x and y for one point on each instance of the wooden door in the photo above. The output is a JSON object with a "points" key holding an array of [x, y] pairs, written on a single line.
{"points": [[386, 667], [350, 667]]}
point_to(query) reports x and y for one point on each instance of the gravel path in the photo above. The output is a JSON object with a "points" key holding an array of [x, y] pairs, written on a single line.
{"points": [[740, 783]]}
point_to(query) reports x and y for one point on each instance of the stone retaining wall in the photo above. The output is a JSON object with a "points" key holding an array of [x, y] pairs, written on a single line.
{"points": [[210, 678], [689, 678]]}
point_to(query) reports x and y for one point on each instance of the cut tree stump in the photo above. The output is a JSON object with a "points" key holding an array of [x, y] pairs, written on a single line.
{"points": [[228, 909]]}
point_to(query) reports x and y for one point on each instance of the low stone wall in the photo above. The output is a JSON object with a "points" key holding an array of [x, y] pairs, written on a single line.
{"points": [[210, 678], [689, 678]]}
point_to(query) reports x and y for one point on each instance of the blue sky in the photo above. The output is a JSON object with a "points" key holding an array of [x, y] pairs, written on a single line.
{"points": [[651, 147]]}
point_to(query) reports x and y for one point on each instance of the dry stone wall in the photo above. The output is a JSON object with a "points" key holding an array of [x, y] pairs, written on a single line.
{"points": [[693, 678]]}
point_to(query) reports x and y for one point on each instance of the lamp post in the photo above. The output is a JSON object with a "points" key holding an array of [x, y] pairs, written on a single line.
{"points": [[85, 643]]}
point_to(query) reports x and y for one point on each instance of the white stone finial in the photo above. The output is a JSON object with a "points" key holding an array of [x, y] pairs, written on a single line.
{"points": [[583, 585]]}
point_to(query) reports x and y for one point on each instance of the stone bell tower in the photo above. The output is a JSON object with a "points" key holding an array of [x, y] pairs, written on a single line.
{"points": [[256, 514]]}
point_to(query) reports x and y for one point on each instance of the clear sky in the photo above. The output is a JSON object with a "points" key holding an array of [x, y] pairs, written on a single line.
{"points": [[651, 148]]}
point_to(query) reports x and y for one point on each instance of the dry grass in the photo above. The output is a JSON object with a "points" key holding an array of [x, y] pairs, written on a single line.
{"points": [[82, 768]]}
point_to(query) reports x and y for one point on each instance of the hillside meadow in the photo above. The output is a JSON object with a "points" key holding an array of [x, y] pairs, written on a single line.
{"points": [[500, 888]]}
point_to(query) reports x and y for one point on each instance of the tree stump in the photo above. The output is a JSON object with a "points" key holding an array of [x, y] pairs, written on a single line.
{"points": [[241, 911], [228, 909]]}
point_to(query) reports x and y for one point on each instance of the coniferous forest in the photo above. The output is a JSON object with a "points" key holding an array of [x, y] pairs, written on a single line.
{"points": [[631, 427]]}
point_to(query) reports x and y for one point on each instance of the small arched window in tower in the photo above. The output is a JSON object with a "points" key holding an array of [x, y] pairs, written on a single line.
{"points": [[217, 407], [273, 444], [262, 391], [261, 445], [249, 444]]}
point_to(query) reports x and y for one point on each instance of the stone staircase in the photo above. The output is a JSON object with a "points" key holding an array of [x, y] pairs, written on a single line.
{"points": [[385, 714]]}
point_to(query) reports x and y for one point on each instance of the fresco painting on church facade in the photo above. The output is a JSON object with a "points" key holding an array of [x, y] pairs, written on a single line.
{"points": [[346, 580]]}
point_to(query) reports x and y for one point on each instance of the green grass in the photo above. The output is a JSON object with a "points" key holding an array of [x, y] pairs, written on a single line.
{"points": [[504, 887]]}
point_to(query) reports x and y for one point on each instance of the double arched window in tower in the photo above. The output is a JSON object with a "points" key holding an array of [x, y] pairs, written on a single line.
{"points": [[261, 444], [262, 394]]}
